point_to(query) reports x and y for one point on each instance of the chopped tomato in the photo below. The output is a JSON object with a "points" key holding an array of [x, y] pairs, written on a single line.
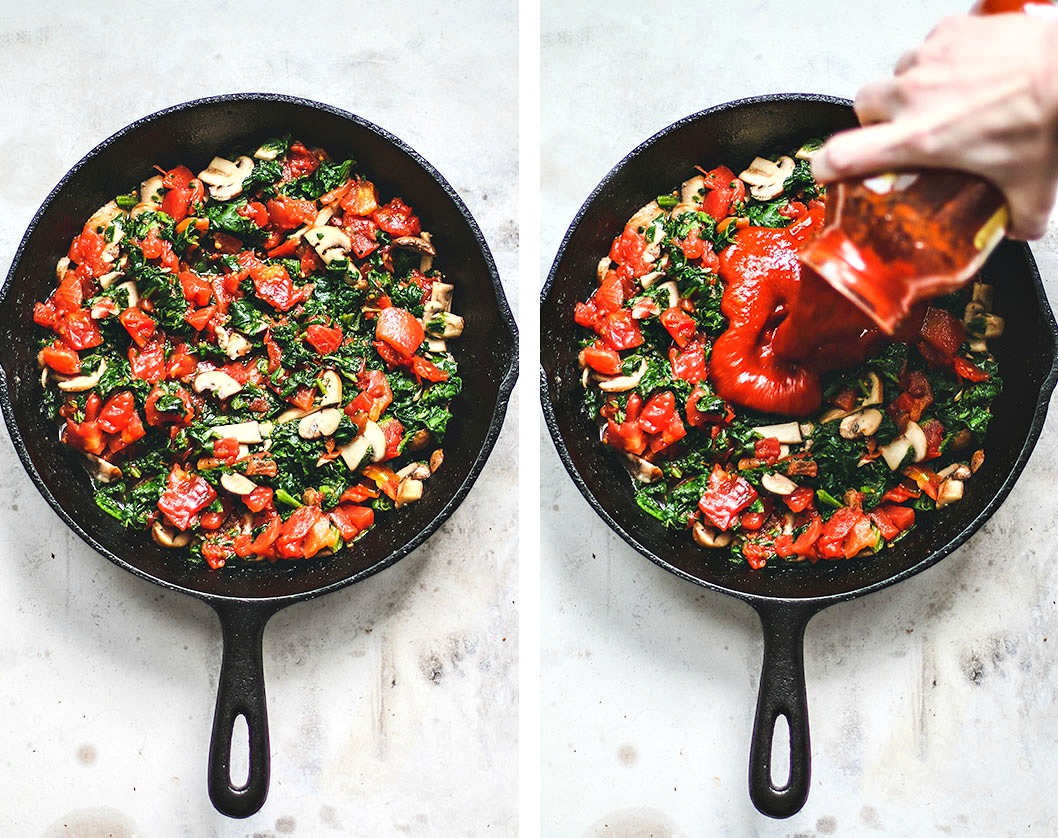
{"points": [[62, 359], [176, 407], [299, 162], [362, 233], [148, 364], [601, 358], [260, 498], [689, 363], [360, 199], [969, 370], [375, 395], [87, 249], [393, 431], [187, 495], [79, 330], [351, 519], [196, 289], [943, 330], [658, 412], [227, 449], [275, 287], [428, 370], [324, 339], [358, 494], [84, 436], [903, 517], [400, 329], [800, 499], [139, 325], [768, 449], [680, 325], [199, 318], [397, 219], [626, 436], [116, 413], [256, 212], [620, 331], [726, 495]]}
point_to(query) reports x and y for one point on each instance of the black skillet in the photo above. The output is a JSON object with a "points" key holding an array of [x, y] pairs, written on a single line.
{"points": [[246, 597], [785, 598]]}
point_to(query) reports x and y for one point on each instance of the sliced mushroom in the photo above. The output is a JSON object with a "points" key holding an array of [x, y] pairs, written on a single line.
{"points": [[977, 459], [603, 268], [894, 453], [692, 190], [61, 267], [860, 423], [416, 470], [319, 424], [445, 325], [765, 178], [983, 293], [917, 436], [237, 484], [329, 242], [222, 385], [151, 191], [133, 292], [949, 491], [673, 291], [986, 326], [102, 217], [708, 536], [168, 536], [807, 151], [778, 484], [788, 433], [245, 432], [80, 383], [643, 470], [875, 391], [234, 344], [372, 441], [292, 413], [436, 459], [109, 278], [266, 152], [623, 383], [960, 471], [416, 243], [648, 280], [644, 216], [331, 384], [409, 491], [102, 470], [440, 299], [225, 177]]}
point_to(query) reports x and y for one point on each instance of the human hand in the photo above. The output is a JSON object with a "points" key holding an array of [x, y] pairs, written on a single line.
{"points": [[981, 95]]}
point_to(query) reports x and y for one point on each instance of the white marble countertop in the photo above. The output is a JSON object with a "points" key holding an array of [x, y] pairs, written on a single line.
{"points": [[934, 703], [392, 703]]}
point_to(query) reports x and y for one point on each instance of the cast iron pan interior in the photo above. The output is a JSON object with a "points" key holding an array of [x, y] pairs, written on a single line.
{"points": [[788, 596], [245, 596]]}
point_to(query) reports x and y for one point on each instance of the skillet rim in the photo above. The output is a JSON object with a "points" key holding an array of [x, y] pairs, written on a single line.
{"points": [[507, 371], [764, 600]]}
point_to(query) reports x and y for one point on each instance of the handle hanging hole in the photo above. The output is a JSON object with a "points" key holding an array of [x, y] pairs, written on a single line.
{"points": [[780, 753], [239, 770]]}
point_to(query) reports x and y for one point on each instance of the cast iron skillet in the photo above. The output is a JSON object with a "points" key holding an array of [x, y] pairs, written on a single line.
{"points": [[246, 597], [785, 598]]}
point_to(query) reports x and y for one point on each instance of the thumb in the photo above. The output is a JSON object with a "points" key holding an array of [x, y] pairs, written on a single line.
{"points": [[876, 148]]}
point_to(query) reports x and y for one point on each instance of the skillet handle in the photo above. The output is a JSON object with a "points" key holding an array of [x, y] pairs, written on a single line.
{"points": [[240, 692], [782, 693]]}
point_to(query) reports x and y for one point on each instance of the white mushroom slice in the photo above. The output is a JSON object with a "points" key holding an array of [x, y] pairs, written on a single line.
{"points": [[409, 491], [266, 152], [643, 470], [673, 292], [80, 383], [292, 413], [894, 453], [61, 267], [647, 280], [168, 536], [416, 243], [683, 209], [917, 437], [807, 151], [788, 432], [417, 471], [960, 471], [103, 470], [623, 383], [372, 440], [860, 423], [440, 299], [875, 392], [101, 218], [129, 287], [832, 414], [778, 484], [319, 424], [247, 432], [983, 293], [222, 385], [237, 484], [708, 536], [234, 344], [436, 345], [644, 216], [445, 325], [765, 178], [141, 208], [692, 190], [151, 191], [949, 491], [330, 242], [225, 177], [331, 384], [426, 259], [109, 278]]}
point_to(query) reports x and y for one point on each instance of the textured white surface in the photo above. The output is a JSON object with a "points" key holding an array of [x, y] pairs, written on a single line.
{"points": [[933, 703], [392, 703]]}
